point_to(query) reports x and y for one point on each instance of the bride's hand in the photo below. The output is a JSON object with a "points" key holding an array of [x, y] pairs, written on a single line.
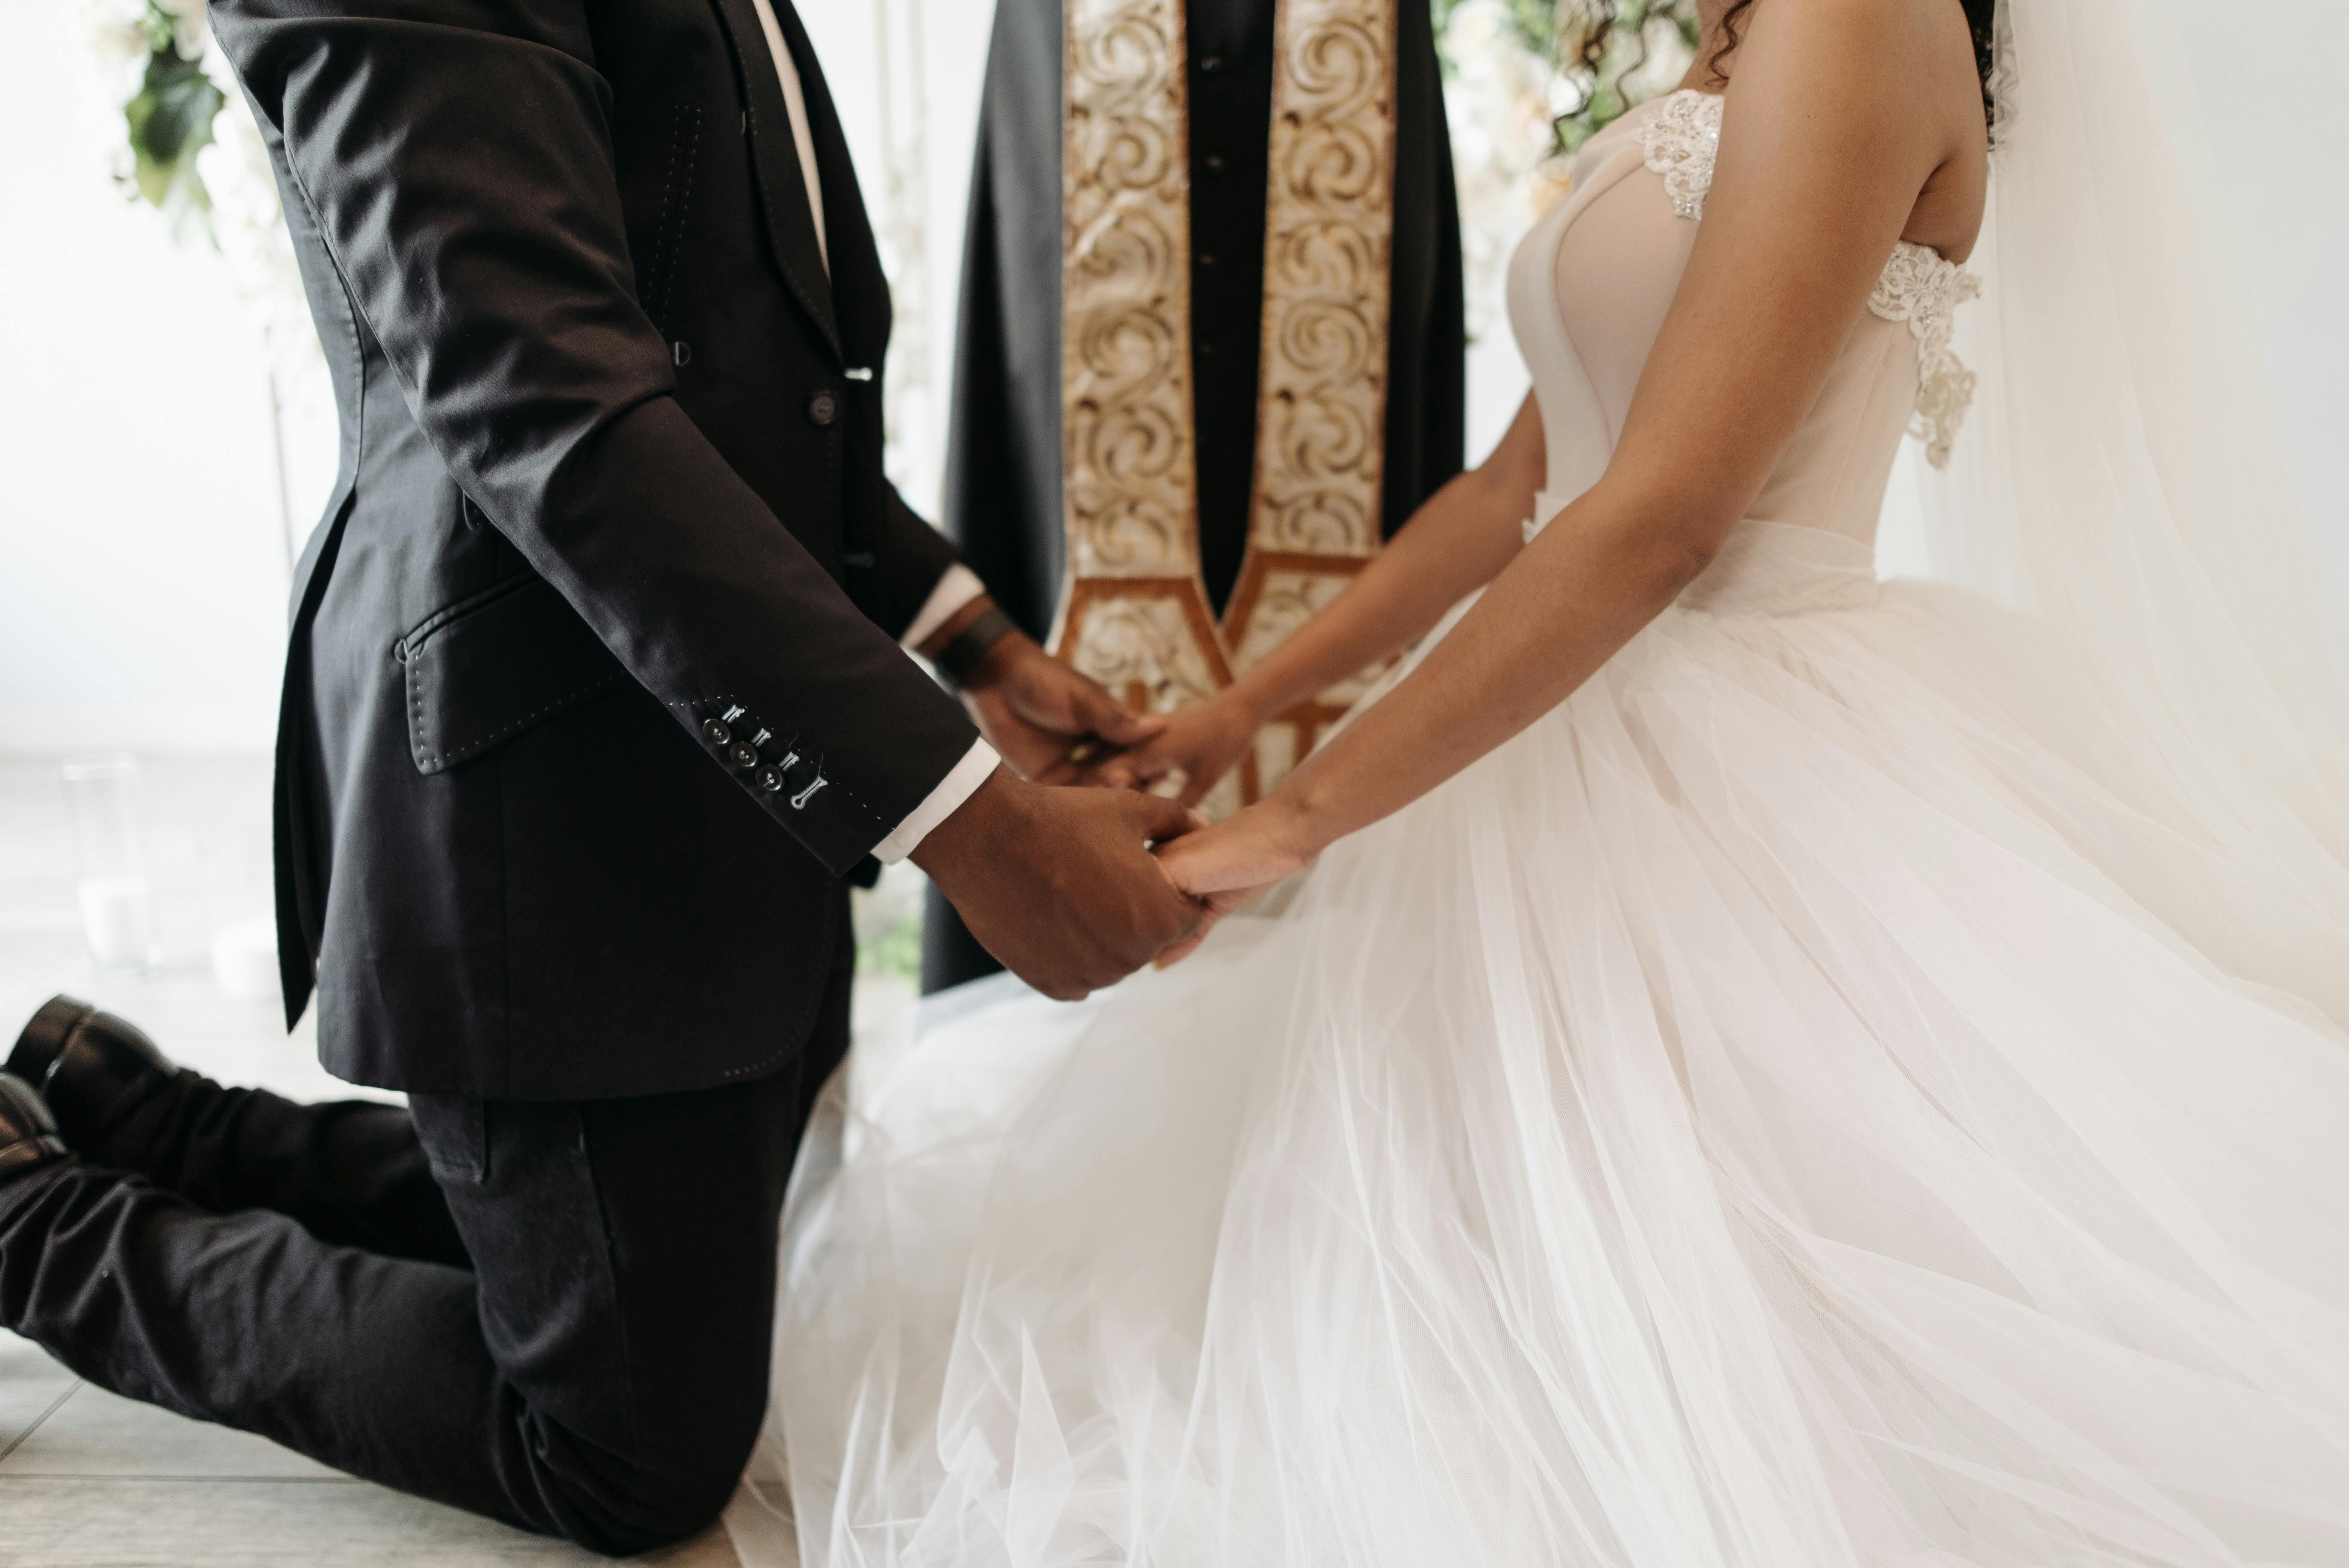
{"points": [[1199, 745], [1232, 863]]}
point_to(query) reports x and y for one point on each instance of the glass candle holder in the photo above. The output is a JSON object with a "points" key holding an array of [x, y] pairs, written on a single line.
{"points": [[118, 901]]}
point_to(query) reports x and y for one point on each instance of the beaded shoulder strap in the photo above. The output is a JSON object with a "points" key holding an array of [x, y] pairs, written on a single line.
{"points": [[1681, 138]]}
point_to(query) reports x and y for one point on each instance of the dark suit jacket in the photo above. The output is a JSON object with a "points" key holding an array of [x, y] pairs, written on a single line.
{"points": [[593, 697]]}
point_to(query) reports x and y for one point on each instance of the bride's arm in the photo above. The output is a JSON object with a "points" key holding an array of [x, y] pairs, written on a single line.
{"points": [[1458, 539], [1825, 148]]}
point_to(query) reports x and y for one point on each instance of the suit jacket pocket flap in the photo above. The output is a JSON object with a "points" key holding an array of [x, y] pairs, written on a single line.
{"points": [[489, 668]]}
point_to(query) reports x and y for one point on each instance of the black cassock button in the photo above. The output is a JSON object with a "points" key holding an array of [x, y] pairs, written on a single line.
{"points": [[1212, 66], [770, 779], [822, 409], [745, 755], [716, 733], [1215, 163]]}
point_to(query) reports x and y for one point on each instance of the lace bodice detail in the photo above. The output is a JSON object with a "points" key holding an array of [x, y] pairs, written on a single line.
{"points": [[1922, 289], [1682, 138]]}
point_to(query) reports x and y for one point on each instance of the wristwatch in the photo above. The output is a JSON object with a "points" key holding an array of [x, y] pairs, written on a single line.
{"points": [[969, 648]]}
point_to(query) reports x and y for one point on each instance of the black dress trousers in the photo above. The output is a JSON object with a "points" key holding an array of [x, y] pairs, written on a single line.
{"points": [[556, 1313]]}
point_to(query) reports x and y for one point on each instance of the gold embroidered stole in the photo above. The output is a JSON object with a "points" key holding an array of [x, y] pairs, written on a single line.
{"points": [[1133, 613]]}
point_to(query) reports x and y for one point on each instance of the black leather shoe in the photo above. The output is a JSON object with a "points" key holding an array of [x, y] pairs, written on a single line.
{"points": [[82, 1061], [28, 1133]]}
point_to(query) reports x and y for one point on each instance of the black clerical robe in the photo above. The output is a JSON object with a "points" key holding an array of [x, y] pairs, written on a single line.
{"points": [[1004, 465], [1004, 456]]}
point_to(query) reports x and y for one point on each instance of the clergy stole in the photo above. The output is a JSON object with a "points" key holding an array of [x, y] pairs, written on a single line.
{"points": [[1133, 612]]}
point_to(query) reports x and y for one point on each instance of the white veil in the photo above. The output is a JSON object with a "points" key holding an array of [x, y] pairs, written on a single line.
{"points": [[2119, 476]]}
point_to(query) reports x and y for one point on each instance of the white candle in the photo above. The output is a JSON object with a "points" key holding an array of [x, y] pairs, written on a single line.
{"points": [[117, 915]]}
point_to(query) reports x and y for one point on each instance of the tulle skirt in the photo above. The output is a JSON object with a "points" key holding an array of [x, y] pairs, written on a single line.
{"points": [[1843, 1089]]}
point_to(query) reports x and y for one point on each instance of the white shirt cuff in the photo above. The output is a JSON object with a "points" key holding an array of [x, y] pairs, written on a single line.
{"points": [[957, 586], [955, 788]]}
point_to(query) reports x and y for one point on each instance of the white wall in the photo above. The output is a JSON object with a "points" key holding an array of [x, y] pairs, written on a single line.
{"points": [[141, 572], [2267, 78], [142, 568]]}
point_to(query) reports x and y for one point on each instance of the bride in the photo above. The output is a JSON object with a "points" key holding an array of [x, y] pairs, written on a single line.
{"points": [[1764, 1067]]}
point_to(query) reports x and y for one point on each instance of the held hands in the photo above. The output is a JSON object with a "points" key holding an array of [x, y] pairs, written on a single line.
{"points": [[1055, 726], [1230, 864], [1060, 884], [1035, 710], [1192, 750]]}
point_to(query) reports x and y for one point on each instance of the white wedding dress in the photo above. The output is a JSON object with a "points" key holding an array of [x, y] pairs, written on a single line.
{"points": [[1842, 1089]]}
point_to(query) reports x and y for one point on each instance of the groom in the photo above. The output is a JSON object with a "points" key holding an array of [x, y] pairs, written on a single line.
{"points": [[594, 702]]}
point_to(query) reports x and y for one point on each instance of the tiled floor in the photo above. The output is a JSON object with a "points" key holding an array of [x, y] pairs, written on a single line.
{"points": [[87, 1478]]}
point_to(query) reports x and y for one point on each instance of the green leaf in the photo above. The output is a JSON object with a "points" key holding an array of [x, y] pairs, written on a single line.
{"points": [[170, 121]]}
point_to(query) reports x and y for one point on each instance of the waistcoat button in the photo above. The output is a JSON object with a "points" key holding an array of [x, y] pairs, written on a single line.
{"points": [[822, 409]]}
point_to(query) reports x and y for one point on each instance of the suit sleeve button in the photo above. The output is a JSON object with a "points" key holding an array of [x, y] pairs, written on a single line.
{"points": [[770, 779], [822, 409], [745, 755], [715, 732]]}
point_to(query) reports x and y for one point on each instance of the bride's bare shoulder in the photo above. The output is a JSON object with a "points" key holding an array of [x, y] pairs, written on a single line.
{"points": [[1897, 80]]}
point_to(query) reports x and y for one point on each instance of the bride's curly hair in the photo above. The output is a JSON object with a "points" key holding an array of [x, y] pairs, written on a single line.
{"points": [[1612, 53], [1979, 21], [1607, 56]]}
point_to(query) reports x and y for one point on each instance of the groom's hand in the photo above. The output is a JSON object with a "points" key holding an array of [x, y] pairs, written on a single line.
{"points": [[1044, 718], [1060, 884]]}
